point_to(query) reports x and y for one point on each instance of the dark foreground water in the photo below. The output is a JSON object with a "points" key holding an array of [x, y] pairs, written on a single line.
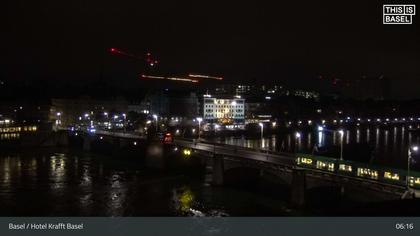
{"points": [[65, 183]]}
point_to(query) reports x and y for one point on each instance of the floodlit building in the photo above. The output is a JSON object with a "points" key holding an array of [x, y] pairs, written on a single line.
{"points": [[227, 112]]}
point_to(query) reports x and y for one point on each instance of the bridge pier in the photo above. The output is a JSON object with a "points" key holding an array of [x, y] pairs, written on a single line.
{"points": [[218, 169], [122, 143], [298, 187], [86, 143]]}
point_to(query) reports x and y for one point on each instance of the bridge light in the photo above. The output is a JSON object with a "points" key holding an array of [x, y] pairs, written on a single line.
{"points": [[186, 152]]}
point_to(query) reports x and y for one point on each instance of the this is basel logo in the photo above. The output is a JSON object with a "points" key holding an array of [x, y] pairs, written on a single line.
{"points": [[399, 14]]}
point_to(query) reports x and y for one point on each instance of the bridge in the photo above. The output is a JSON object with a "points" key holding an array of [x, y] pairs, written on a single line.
{"points": [[300, 171]]}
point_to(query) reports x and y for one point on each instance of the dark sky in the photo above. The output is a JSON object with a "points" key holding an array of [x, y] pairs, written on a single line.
{"points": [[266, 41]]}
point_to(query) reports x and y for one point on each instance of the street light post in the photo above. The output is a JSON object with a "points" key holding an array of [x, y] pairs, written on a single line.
{"points": [[58, 119], [262, 130], [341, 132], [125, 122], [415, 149], [199, 119], [297, 136], [216, 126], [156, 119]]}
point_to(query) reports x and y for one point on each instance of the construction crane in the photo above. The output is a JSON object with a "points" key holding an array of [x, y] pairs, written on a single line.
{"points": [[152, 62], [148, 58]]}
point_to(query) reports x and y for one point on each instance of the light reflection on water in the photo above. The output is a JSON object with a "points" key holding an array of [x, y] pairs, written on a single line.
{"points": [[68, 184], [389, 144]]}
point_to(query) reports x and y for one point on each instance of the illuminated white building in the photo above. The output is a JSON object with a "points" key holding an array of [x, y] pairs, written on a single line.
{"points": [[229, 112]]}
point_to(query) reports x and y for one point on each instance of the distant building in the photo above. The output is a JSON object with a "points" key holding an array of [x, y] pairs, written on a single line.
{"points": [[228, 112], [67, 111], [186, 105], [157, 103]]}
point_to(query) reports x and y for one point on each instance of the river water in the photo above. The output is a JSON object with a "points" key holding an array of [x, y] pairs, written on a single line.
{"points": [[68, 183]]}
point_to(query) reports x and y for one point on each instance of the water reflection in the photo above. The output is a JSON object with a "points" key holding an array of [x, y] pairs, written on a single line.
{"points": [[388, 149], [66, 184]]}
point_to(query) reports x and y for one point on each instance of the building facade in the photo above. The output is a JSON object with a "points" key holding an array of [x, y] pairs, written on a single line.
{"points": [[227, 112]]}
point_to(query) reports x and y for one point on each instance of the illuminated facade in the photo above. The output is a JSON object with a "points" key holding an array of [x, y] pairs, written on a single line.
{"points": [[227, 112]]}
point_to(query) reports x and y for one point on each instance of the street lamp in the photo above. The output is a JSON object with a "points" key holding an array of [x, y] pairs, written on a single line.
{"points": [[125, 122], [216, 127], [414, 149], [341, 132], [199, 119], [262, 129], [297, 136], [58, 118], [156, 119]]}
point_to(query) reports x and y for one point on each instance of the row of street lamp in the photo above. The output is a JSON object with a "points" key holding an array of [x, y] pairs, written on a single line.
{"points": [[341, 132]]}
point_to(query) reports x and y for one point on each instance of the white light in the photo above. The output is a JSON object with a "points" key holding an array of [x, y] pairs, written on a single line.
{"points": [[155, 116], [199, 119], [233, 103], [341, 132], [58, 113], [261, 125], [415, 148], [115, 117], [86, 115], [135, 143], [298, 135], [274, 124], [320, 128]]}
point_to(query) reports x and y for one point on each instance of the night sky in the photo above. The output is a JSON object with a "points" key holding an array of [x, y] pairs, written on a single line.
{"points": [[263, 41]]}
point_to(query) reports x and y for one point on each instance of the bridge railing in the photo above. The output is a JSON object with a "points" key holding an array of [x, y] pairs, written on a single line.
{"points": [[260, 150]]}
